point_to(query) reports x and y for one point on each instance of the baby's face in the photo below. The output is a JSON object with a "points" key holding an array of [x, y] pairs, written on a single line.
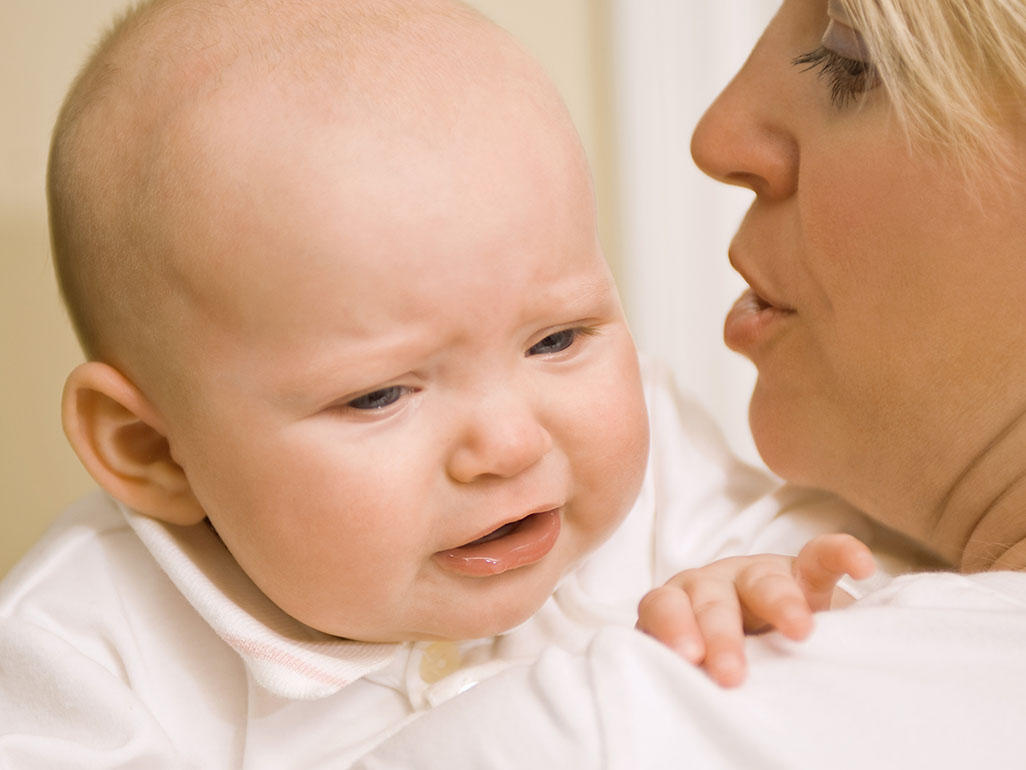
{"points": [[415, 402]]}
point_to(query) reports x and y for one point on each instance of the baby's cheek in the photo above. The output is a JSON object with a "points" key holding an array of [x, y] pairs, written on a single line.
{"points": [[620, 449], [626, 418]]}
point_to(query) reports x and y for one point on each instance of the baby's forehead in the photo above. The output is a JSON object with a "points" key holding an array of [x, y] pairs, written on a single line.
{"points": [[300, 192], [286, 220], [198, 102]]}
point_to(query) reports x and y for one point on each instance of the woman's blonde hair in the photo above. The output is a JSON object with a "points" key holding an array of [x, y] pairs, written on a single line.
{"points": [[954, 69]]}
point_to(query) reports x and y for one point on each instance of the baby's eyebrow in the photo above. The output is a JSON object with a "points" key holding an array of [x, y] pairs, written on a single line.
{"points": [[307, 389], [347, 367], [584, 296]]}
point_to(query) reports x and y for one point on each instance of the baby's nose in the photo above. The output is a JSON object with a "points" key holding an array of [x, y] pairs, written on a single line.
{"points": [[501, 438]]}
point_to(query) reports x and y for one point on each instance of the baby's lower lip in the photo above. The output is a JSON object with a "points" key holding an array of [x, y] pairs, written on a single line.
{"points": [[514, 545]]}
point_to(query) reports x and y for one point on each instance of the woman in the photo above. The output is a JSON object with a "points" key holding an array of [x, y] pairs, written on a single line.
{"points": [[886, 315], [885, 142]]}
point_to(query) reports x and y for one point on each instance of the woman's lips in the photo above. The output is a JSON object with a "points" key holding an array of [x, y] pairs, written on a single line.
{"points": [[750, 321], [512, 545]]}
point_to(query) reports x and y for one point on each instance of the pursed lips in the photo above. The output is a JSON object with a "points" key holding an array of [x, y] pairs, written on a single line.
{"points": [[755, 282]]}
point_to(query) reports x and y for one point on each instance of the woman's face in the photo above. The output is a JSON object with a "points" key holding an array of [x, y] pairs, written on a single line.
{"points": [[887, 319]]}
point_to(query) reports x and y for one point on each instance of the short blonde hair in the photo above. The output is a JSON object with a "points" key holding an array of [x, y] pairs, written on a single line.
{"points": [[953, 69]]}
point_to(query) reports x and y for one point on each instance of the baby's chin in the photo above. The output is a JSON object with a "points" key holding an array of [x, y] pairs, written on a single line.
{"points": [[453, 626], [462, 608], [456, 632]]}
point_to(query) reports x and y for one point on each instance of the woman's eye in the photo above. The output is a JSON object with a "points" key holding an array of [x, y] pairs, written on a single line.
{"points": [[848, 78], [554, 343], [377, 399]]}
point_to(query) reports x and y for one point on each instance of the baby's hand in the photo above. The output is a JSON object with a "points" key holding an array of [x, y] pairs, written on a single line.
{"points": [[704, 613]]}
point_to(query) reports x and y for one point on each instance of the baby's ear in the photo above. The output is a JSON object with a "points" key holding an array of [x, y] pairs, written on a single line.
{"points": [[121, 441]]}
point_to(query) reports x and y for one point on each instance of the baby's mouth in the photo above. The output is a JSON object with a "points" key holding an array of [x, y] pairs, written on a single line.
{"points": [[502, 531], [516, 544]]}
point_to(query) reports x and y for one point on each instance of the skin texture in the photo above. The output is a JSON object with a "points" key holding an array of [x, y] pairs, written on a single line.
{"points": [[894, 373], [323, 251]]}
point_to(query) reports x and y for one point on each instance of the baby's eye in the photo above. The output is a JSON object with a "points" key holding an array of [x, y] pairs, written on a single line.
{"points": [[848, 78], [378, 399], [554, 343]]}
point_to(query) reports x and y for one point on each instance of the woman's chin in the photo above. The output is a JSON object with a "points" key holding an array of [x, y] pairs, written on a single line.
{"points": [[789, 443]]}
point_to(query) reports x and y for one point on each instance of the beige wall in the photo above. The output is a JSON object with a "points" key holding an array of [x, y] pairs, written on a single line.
{"points": [[43, 43]]}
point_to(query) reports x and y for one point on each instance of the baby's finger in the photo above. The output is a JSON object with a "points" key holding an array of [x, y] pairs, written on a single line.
{"points": [[771, 597], [665, 613], [718, 613], [824, 560]]}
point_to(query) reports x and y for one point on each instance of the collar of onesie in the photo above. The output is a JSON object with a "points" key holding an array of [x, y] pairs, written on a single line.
{"points": [[283, 655]]}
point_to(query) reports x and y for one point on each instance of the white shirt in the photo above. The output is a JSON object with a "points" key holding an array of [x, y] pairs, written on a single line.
{"points": [[125, 642], [928, 672]]}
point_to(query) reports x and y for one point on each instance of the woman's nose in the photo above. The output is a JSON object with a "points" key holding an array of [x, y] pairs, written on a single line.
{"points": [[501, 438], [744, 137]]}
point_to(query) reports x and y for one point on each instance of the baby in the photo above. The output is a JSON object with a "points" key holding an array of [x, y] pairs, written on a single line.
{"points": [[361, 385]]}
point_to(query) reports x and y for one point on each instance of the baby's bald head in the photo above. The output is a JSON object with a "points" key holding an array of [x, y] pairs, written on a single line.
{"points": [[141, 153], [337, 260]]}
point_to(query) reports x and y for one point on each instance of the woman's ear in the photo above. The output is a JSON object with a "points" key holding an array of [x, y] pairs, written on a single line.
{"points": [[120, 439]]}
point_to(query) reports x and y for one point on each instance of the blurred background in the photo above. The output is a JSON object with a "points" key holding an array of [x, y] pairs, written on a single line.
{"points": [[636, 75]]}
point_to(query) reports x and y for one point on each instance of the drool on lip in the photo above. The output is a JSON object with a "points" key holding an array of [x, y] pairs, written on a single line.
{"points": [[512, 545]]}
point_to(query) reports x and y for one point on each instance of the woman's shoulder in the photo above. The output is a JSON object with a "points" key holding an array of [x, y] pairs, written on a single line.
{"points": [[953, 591]]}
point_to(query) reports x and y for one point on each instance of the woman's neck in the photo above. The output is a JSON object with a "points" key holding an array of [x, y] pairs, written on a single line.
{"points": [[980, 522]]}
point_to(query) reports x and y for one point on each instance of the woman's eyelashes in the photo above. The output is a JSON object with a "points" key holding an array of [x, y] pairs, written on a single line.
{"points": [[848, 78], [559, 341]]}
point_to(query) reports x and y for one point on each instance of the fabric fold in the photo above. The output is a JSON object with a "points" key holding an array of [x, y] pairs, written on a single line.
{"points": [[282, 655]]}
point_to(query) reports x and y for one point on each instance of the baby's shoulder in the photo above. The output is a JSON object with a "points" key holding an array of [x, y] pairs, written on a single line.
{"points": [[72, 556], [86, 584]]}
